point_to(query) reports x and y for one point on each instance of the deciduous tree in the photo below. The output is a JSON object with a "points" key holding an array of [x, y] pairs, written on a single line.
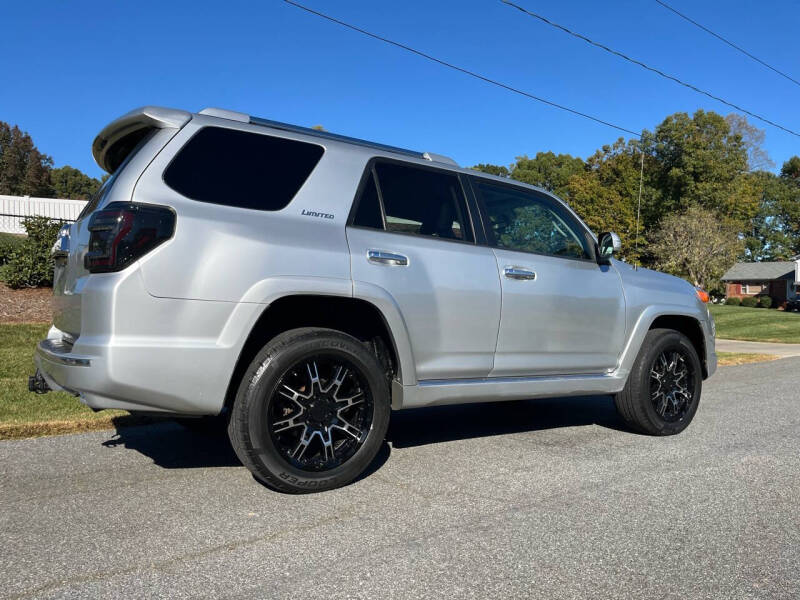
{"points": [[695, 245], [548, 170], [68, 182]]}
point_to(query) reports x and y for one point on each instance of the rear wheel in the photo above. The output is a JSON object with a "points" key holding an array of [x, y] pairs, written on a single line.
{"points": [[663, 389], [311, 412]]}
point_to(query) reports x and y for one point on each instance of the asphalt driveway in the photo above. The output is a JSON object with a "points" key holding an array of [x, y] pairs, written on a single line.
{"points": [[547, 499]]}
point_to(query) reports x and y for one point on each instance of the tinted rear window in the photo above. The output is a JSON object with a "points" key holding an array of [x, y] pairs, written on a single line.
{"points": [[242, 169]]}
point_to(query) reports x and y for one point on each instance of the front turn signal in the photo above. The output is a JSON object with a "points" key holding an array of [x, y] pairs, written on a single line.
{"points": [[702, 295]]}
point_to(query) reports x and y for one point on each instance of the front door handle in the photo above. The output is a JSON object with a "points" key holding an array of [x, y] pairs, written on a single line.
{"points": [[387, 258], [519, 273]]}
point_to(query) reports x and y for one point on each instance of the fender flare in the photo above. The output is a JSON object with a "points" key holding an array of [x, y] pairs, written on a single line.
{"points": [[643, 324], [261, 295]]}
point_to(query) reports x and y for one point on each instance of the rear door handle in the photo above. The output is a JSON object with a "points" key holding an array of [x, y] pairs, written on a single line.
{"points": [[519, 273], [387, 258]]}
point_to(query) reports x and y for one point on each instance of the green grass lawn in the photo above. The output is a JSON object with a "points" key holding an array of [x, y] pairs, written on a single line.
{"points": [[24, 414], [756, 324], [726, 359]]}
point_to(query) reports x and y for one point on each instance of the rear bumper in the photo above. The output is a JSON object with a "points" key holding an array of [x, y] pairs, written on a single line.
{"points": [[153, 379], [137, 352]]}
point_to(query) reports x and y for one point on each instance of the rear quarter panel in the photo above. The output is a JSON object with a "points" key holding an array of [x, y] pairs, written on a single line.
{"points": [[225, 253]]}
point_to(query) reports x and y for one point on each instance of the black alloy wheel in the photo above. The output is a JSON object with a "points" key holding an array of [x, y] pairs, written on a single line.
{"points": [[671, 385], [311, 411], [320, 413]]}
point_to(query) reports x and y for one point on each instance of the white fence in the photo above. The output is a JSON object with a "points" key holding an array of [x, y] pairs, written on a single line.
{"points": [[15, 208]]}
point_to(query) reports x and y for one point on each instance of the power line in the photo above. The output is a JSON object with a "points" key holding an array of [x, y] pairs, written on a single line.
{"points": [[731, 44], [648, 67], [461, 69]]}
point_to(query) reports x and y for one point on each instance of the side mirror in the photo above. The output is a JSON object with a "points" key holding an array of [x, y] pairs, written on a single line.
{"points": [[608, 244]]}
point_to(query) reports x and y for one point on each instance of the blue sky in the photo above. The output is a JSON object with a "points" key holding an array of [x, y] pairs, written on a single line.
{"points": [[70, 67]]}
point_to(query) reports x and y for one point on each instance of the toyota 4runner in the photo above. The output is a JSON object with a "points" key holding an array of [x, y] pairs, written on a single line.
{"points": [[302, 284]]}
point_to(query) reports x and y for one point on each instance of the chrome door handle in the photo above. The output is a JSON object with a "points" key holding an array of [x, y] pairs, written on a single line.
{"points": [[519, 273], [387, 258]]}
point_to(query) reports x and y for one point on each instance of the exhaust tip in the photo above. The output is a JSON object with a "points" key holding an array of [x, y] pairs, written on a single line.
{"points": [[37, 384]]}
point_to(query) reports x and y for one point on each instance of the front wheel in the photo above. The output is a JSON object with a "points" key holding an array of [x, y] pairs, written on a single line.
{"points": [[662, 393], [311, 412]]}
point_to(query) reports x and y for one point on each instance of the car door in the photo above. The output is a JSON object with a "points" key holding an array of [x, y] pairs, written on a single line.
{"points": [[412, 237], [562, 312]]}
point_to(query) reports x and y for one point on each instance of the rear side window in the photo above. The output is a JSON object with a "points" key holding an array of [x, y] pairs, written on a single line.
{"points": [[242, 169], [414, 200]]}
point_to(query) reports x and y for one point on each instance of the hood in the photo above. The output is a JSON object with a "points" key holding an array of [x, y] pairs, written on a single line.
{"points": [[655, 286]]}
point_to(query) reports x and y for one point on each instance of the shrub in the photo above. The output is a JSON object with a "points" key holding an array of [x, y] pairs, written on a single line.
{"points": [[733, 301], [750, 302], [765, 302], [29, 263], [8, 242]]}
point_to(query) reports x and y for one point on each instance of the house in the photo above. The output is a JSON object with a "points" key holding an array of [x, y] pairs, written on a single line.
{"points": [[779, 280]]}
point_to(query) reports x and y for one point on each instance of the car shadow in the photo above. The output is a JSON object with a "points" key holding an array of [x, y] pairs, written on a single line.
{"points": [[173, 446], [422, 426]]}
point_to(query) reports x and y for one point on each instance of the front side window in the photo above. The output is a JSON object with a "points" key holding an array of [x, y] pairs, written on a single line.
{"points": [[526, 221], [242, 169], [414, 200]]}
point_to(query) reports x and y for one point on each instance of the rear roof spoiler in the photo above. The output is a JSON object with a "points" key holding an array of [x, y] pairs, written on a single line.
{"points": [[146, 117]]}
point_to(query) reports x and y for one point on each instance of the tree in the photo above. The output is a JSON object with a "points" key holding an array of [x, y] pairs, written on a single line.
{"points": [[791, 170], [753, 139], [548, 170], [696, 245], [498, 170], [23, 169], [68, 182], [698, 160]]}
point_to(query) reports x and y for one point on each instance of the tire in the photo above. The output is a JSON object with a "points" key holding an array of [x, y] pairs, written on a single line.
{"points": [[299, 434], [656, 400]]}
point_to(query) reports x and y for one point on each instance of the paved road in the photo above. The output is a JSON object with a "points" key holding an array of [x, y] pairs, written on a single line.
{"points": [[544, 499], [758, 347]]}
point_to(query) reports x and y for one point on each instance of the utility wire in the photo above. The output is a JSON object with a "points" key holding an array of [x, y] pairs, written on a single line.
{"points": [[647, 67], [731, 44], [462, 69]]}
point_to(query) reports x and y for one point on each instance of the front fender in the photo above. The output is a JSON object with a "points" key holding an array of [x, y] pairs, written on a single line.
{"points": [[642, 325]]}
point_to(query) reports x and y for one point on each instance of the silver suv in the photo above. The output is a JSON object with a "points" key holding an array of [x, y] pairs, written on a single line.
{"points": [[300, 284]]}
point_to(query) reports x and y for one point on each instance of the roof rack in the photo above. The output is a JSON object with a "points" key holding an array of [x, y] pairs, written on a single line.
{"points": [[351, 140], [244, 118]]}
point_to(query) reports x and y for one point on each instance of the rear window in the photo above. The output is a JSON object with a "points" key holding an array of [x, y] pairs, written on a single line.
{"points": [[241, 169]]}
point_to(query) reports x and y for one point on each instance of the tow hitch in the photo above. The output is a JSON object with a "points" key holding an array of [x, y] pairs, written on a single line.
{"points": [[37, 383]]}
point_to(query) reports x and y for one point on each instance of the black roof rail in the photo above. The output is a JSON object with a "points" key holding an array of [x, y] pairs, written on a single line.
{"points": [[334, 136]]}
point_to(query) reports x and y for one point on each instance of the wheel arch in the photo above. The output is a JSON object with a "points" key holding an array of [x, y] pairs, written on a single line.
{"points": [[679, 318], [358, 317], [688, 326]]}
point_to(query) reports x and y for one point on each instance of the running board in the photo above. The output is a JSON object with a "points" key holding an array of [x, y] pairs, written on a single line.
{"points": [[433, 392]]}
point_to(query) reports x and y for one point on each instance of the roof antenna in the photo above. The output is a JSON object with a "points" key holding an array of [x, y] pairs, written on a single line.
{"points": [[639, 202]]}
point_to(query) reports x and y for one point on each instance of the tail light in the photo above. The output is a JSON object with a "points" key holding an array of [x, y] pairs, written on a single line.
{"points": [[123, 232]]}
